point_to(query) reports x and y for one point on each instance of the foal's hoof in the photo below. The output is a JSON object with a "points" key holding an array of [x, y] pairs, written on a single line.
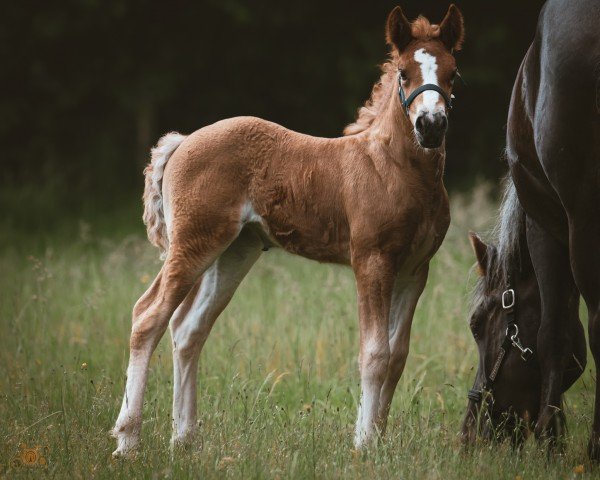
{"points": [[126, 445], [183, 442], [119, 454]]}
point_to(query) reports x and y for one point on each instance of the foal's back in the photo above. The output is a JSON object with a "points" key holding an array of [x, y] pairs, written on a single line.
{"points": [[289, 184]]}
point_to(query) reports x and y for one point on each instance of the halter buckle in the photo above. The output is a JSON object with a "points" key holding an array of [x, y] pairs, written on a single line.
{"points": [[508, 299]]}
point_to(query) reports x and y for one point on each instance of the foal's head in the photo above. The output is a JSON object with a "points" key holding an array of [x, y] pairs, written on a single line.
{"points": [[423, 55]]}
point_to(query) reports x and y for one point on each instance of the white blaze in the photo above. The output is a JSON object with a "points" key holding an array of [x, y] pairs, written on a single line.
{"points": [[428, 72]]}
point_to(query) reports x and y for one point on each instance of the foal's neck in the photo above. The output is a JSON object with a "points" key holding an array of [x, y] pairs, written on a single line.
{"points": [[392, 132]]}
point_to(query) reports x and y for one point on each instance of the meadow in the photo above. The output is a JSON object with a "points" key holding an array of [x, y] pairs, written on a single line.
{"points": [[278, 379]]}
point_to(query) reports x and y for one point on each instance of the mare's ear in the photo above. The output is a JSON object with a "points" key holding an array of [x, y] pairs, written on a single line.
{"points": [[452, 29], [481, 252], [398, 32]]}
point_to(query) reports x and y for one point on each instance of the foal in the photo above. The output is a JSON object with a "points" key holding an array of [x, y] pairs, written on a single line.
{"points": [[373, 199]]}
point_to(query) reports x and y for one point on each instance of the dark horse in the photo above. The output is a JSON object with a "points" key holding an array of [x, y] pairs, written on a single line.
{"points": [[525, 311]]}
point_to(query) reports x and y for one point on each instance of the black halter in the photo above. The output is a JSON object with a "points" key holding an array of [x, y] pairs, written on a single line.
{"points": [[511, 339], [406, 102]]}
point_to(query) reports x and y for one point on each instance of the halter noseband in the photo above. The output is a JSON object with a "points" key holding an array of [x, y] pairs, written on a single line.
{"points": [[509, 300], [406, 102]]}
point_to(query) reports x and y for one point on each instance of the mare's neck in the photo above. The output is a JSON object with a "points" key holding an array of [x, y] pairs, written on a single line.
{"points": [[516, 265]]}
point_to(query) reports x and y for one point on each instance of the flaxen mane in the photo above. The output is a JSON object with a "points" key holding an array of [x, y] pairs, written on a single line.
{"points": [[378, 99], [421, 30]]}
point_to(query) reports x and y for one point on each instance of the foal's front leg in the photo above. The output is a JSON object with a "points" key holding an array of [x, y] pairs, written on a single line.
{"points": [[374, 280], [405, 295]]}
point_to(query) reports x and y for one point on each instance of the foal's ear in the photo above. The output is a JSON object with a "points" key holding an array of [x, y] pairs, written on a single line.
{"points": [[481, 252], [452, 29], [398, 32]]}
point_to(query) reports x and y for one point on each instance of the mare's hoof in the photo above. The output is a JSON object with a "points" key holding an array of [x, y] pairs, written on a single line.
{"points": [[594, 448]]}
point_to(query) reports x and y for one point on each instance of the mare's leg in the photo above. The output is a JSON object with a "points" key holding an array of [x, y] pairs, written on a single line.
{"points": [[568, 141], [584, 231], [374, 279], [550, 259], [193, 321], [186, 260], [405, 296]]}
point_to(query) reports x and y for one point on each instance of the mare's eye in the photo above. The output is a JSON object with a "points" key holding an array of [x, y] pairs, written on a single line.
{"points": [[474, 325], [403, 76]]}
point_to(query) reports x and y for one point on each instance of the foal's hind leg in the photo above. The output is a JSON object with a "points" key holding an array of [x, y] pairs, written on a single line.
{"points": [[192, 322], [151, 316], [405, 296]]}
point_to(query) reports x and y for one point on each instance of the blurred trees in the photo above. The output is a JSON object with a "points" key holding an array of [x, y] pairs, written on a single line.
{"points": [[88, 85]]}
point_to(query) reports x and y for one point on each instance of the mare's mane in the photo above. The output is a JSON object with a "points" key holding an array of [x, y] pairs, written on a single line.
{"points": [[508, 236]]}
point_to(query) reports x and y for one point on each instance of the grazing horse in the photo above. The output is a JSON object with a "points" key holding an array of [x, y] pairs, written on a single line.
{"points": [[549, 254], [505, 322], [373, 199]]}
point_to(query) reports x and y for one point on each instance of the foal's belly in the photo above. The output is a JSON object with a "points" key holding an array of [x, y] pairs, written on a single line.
{"points": [[323, 240]]}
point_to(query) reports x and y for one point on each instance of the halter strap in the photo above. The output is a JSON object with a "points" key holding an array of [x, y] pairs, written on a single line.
{"points": [[406, 102], [511, 338]]}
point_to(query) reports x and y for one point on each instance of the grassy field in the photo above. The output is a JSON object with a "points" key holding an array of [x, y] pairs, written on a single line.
{"points": [[278, 381]]}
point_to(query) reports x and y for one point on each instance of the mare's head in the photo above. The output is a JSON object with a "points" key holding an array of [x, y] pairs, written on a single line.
{"points": [[505, 317], [505, 402], [423, 55]]}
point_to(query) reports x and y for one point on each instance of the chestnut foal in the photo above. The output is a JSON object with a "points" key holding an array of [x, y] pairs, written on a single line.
{"points": [[373, 199]]}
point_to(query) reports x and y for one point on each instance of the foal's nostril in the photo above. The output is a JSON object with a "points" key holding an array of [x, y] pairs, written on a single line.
{"points": [[430, 129], [443, 121]]}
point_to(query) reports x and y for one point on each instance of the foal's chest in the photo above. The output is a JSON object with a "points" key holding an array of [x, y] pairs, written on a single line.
{"points": [[430, 227]]}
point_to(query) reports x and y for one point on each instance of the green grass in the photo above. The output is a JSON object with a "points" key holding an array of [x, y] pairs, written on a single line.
{"points": [[278, 381]]}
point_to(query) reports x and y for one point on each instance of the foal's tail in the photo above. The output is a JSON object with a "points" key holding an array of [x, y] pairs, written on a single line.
{"points": [[154, 215]]}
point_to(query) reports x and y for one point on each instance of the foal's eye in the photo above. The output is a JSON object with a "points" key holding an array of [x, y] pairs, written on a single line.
{"points": [[403, 76]]}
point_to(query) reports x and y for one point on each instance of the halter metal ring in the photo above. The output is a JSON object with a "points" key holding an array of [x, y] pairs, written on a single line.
{"points": [[508, 299], [514, 335]]}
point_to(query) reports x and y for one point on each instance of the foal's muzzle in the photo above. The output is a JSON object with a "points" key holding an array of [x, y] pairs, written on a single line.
{"points": [[430, 129]]}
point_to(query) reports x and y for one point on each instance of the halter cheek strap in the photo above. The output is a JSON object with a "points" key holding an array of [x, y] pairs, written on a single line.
{"points": [[406, 102], [511, 339]]}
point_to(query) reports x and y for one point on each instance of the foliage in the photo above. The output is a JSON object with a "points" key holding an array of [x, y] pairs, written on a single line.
{"points": [[89, 85]]}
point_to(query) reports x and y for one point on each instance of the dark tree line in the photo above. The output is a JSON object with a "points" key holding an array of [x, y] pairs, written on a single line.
{"points": [[89, 85]]}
